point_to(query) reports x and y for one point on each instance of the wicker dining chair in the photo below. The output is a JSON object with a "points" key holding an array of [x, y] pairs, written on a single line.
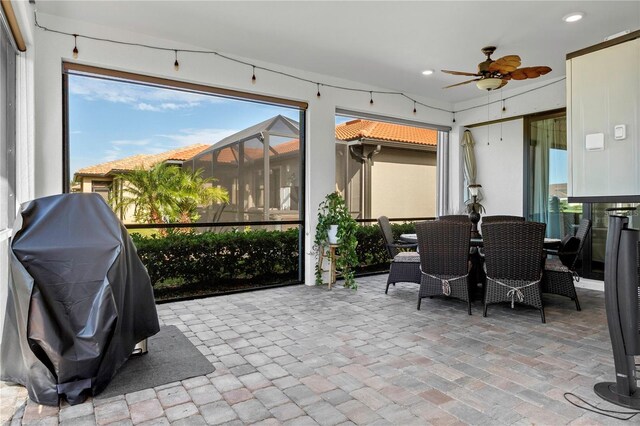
{"points": [[501, 218], [458, 218], [444, 259], [560, 273], [405, 265], [513, 261]]}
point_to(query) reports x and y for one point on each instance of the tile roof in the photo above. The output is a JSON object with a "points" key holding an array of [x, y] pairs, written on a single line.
{"points": [[142, 160], [228, 154], [366, 129]]}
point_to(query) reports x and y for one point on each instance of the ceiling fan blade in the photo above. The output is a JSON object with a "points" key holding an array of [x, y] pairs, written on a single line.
{"points": [[470, 74], [529, 72], [506, 64], [464, 82]]}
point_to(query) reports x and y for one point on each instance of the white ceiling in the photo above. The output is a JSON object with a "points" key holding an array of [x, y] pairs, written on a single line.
{"points": [[385, 43]]}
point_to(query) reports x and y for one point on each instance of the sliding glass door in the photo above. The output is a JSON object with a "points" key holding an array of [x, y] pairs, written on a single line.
{"points": [[545, 192], [547, 176]]}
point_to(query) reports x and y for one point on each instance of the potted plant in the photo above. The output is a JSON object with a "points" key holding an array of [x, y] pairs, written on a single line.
{"points": [[334, 218]]}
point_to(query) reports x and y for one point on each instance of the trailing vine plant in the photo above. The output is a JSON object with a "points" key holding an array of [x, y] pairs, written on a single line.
{"points": [[333, 211]]}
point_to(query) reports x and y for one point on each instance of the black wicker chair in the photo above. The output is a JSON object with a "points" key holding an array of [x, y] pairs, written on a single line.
{"points": [[458, 218], [560, 273], [405, 265], [501, 218], [497, 219], [444, 259], [513, 260]]}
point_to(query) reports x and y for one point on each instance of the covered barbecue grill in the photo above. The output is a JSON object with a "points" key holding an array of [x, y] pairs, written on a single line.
{"points": [[79, 299]]}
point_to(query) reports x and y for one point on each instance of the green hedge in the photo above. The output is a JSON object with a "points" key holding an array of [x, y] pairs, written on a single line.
{"points": [[187, 264], [212, 262], [372, 254]]}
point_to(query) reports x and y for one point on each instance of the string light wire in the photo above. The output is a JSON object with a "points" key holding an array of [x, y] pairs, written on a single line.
{"points": [[274, 71]]}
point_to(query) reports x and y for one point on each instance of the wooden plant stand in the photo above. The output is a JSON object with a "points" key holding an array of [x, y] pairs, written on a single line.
{"points": [[331, 254]]}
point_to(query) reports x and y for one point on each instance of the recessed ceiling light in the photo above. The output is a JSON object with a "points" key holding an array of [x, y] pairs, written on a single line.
{"points": [[573, 17], [427, 72]]}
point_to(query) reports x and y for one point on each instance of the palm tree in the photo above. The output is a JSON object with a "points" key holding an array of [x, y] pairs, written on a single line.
{"points": [[197, 191], [165, 194]]}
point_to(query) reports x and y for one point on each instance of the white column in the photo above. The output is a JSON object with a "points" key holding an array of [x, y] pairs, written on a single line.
{"points": [[320, 171]]}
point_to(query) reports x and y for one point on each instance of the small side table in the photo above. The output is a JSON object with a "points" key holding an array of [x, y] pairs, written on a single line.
{"points": [[331, 254]]}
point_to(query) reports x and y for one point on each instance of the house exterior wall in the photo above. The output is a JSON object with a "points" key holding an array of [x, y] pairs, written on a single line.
{"points": [[596, 104], [501, 167], [498, 162], [403, 183], [87, 185]]}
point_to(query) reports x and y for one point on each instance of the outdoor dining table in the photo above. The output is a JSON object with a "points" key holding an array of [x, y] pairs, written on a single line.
{"points": [[549, 243], [476, 274]]}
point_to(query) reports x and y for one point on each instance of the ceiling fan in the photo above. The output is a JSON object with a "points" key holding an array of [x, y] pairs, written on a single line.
{"points": [[496, 74]]}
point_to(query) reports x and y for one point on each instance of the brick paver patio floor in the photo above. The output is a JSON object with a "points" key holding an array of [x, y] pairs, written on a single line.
{"points": [[304, 355]]}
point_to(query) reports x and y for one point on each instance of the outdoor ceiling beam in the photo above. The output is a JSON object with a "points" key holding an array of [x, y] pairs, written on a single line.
{"points": [[12, 22]]}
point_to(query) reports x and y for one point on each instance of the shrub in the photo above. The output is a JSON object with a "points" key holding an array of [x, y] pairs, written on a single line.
{"points": [[372, 254], [209, 259], [190, 264]]}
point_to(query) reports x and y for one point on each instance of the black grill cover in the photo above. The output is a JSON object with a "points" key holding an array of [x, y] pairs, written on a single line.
{"points": [[79, 299]]}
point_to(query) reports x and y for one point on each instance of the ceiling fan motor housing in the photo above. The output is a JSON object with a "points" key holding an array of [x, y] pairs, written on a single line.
{"points": [[483, 67]]}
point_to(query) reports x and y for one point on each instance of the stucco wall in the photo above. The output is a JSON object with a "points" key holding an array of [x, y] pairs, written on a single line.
{"points": [[501, 165], [500, 170], [403, 183]]}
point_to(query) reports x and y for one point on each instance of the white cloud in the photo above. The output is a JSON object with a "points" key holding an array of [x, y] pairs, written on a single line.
{"points": [[193, 136], [131, 142], [112, 154], [144, 98], [142, 106], [173, 106], [121, 148]]}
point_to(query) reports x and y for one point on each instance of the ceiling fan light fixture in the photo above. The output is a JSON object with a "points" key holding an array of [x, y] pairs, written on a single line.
{"points": [[427, 72], [573, 17], [489, 83]]}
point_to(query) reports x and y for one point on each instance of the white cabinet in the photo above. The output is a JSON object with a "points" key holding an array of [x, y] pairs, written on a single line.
{"points": [[603, 91]]}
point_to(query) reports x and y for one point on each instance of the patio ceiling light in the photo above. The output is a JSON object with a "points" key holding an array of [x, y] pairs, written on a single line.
{"points": [[427, 72], [573, 17], [489, 83]]}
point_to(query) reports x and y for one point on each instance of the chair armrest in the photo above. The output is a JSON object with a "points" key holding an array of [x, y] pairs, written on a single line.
{"points": [[551, 252]]}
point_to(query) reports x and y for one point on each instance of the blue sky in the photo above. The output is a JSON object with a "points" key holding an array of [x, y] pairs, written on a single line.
{"points": [[558, 166], [111, 120]]}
